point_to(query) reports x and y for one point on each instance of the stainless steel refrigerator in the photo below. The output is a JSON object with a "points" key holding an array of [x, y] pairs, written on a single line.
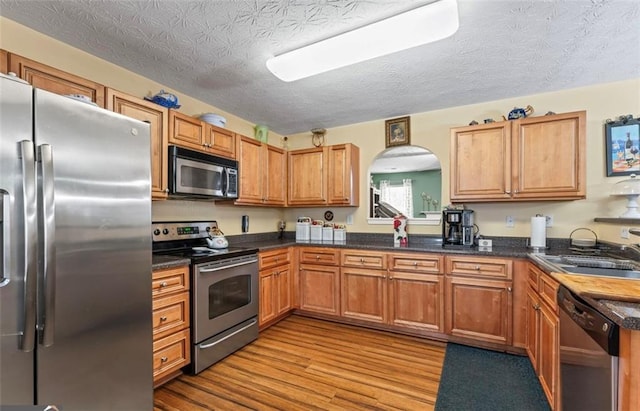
{"points": [[75, 285]]}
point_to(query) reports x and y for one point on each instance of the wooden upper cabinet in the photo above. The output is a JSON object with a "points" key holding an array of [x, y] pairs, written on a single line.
{"points": [[535, 158], [4, 61], [158, 117], [191, 132], [308, 176], [220, 141], [344, 175], [549, 157], [324, 176], [186, 131], [262, 170], [56, 81]]}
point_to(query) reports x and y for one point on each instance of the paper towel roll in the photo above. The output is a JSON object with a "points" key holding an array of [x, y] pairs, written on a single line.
{"points": [[538, 232]]}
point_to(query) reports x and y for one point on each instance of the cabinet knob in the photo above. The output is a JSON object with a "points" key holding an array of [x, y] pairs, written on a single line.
{"points": [[509, 289], [390, 277], [163, 318], [362, 261], [536, 306], [415, 263], [317, 257], [508, 192], [163, 284], [164, 359], [477, 268], [166, 190]]}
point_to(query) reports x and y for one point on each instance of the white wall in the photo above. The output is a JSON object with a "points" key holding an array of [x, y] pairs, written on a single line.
{"points": [[430, 129]]}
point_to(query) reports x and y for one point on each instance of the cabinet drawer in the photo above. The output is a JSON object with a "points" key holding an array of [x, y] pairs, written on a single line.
{"points": [[480, 267], [548, 290], [316, 255], [170, 281], [274, 258], [533, 276], [418, 263], [170, 314], [170, 354], [364, 259]]}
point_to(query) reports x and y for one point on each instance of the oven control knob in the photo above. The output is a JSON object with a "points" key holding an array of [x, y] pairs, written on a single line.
{"points": [[165, 231], [208, 229], [156, 232]]}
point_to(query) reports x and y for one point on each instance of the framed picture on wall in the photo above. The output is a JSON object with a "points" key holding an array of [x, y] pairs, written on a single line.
{"points": [[398, 132], [622, 146]]}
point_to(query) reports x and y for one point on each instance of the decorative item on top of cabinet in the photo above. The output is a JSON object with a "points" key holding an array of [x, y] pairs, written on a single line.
{"points": [[479, 298], [193, 133], [275, 285], [262, 170], [158, 117], [56, 81], [319, 278], [328, 175], [528, 159], [543, 336], [171, 335]]}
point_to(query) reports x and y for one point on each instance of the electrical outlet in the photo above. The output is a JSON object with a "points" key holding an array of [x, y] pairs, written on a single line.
{"points": [[624, 232], [549, 219], [509, 221], [349, 219]]}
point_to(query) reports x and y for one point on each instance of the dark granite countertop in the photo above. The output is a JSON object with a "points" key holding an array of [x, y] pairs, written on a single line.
{"points": [[161, 262], [624, 314]]}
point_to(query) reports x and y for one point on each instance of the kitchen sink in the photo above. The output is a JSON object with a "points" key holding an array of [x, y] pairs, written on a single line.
{"points": [[591, 265]]}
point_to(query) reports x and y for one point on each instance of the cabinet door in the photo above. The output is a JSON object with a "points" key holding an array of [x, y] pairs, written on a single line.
{"points": [[416, 301], [480, 160], [284, 289], [307, 177], [4, 61], [364, 294], [157, 117], [344, 175], [549, 356], [186, 131], [56, 81], [533, 327], [268, 289], [275, 176], [320, 289], [251, 171], [219, 141], [479, 309], [549, 157]]}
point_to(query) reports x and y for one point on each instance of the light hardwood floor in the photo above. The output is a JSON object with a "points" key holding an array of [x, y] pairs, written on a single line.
{"points": [[307, 364]]}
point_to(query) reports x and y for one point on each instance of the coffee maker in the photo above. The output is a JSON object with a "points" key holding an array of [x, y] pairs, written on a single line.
{"points": [[457, 227]]}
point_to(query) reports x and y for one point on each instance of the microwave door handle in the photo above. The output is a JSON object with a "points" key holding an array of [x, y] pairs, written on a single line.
{"points": [[225, 182]]}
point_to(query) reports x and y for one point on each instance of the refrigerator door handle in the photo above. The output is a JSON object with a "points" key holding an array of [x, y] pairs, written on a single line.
{"points": [[27, 342], [6, 238], [47, 229]]}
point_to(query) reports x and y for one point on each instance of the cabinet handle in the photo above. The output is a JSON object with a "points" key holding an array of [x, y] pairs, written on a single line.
{"points": [[164, 359], [415, 263], [166, 190], [508, 192], [390, 277], [362, 261], [317, 257], [163, 318], [509, 289], [163, 284], [477, 268], [536, 306]]}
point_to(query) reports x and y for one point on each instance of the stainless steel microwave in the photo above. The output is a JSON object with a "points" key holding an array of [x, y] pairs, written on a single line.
{"points": [[200, 175]]}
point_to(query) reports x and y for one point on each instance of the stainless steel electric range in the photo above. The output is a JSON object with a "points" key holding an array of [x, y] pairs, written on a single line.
{"points": [[224, 289]]}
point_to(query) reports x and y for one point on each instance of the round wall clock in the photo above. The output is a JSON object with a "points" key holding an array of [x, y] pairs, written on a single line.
{"points": [[328, 215]]}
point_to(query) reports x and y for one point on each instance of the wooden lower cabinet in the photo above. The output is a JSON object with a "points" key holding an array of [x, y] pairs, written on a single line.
{"points": [[478, 291], [320, 288], [275, 285], [364, 294], [543, 332], [416, 300], [171, 322]]}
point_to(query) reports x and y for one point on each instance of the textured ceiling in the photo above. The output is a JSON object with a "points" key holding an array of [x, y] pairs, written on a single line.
{"points": [[215, 51]]}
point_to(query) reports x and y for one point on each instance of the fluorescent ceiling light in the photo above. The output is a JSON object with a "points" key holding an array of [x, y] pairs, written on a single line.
{"points": [[426, 24]]}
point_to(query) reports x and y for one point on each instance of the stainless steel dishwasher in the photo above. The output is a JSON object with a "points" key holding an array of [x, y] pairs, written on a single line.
{"points": [[589, 344]]}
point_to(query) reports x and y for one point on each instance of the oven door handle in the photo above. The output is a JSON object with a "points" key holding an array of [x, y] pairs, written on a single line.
{"points": [[224, 267], [251, 324]]}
